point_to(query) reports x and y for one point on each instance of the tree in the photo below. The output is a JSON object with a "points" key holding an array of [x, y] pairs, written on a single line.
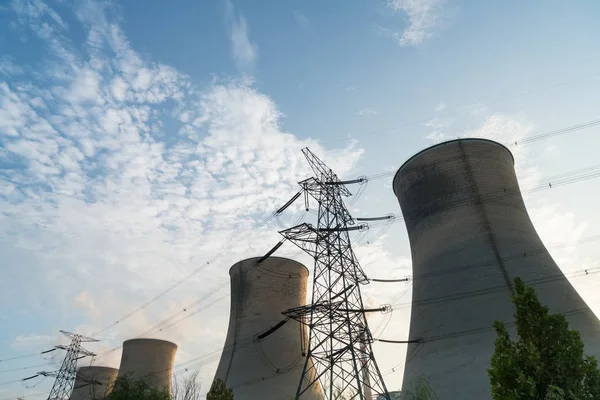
{"points": [[219, 391], [187, 388], [546, 362], [127, 388]]}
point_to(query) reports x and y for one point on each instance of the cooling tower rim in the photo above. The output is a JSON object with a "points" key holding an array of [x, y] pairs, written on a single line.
{"points": [[435, 146], [148, 340], [285, 259]]}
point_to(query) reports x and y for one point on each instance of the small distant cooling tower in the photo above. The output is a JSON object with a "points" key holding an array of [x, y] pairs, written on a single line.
{"points": [[268, 368], [93, 383], [150, 359], [470, 236]]}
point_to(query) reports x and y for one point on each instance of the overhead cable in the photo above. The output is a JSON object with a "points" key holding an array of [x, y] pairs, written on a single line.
{"points": [[456, 111], [453, 159]]}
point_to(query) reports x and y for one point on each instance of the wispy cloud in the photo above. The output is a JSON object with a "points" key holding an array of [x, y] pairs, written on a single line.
{"points": [[440, 107], [99, 199], [366, 111], [8, 67], [423, 18], [301, 19], [244, 52]]}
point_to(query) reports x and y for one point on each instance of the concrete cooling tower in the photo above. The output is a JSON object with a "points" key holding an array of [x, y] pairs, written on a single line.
{"points": [[150, 359], [470, 236], [271, 367], [93, 383]]}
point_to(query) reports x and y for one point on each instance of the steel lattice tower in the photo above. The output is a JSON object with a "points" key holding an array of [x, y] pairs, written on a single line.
{"points": [[65, 377], [339, 336]]}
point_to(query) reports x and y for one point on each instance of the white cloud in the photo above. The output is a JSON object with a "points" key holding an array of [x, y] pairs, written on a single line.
{"points": [[111, 208], [85, 87], [35, 342], [440, 107], [245, 53], [436, 137], [438, 125], [118, 89], [8, 67], [423, 18]]}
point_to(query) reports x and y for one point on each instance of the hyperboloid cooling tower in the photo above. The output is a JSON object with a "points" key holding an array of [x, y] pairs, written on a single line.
{"points": [[93, 383], [470, 236], [272, 366], [150, 359]]}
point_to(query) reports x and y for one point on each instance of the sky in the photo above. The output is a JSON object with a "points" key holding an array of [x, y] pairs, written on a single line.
{"points": [[142, 144]]}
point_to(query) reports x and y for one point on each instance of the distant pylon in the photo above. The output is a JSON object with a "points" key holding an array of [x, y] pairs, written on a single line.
{"points": [[65, 377]]}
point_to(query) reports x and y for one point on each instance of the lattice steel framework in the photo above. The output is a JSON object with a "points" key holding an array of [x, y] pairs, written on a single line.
{"points": [[339, 336], [65, 377]]}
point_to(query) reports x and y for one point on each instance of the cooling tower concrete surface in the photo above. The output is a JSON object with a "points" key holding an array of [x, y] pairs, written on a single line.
{"points": [[470, 236], [272, 367], [93, 383], [150, 359]]}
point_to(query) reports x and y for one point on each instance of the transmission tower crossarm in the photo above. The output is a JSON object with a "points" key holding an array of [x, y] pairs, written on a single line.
{"points": [[81, 350], [323, 172], [350, 182], [289, 203], [80, 338]]}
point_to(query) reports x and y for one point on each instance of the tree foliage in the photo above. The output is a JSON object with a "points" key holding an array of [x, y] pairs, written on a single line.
{"points": [[546, 362], [219, 391], [127, 388]]}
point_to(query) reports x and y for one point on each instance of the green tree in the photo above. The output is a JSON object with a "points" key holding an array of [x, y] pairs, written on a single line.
{"points": [[219, 391], [127, 388], [546, 362]]}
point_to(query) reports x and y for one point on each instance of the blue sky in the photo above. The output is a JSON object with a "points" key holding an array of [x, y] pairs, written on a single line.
{"points": [[137, 139]]}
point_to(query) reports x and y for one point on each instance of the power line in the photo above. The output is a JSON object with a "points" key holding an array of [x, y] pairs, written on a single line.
{"points": [[530, 139], [570, 177], [423, 341], [23, 368], [178, 283], [456, 111], [562, 179], [590, 173], [262, 223], [25, 356], [248, 341]]}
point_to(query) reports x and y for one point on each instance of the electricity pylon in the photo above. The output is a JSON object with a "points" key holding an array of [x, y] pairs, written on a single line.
{"points": [[65, 377], [339, 336]]}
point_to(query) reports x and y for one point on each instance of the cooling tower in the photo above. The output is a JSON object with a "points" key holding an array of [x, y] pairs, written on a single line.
{"points": [[93, 383], [150, 359], [470, 236], [271, 367]]}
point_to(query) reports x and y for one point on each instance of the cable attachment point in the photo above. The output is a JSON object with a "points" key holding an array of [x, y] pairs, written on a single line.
{"points": [[386, 309]]}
